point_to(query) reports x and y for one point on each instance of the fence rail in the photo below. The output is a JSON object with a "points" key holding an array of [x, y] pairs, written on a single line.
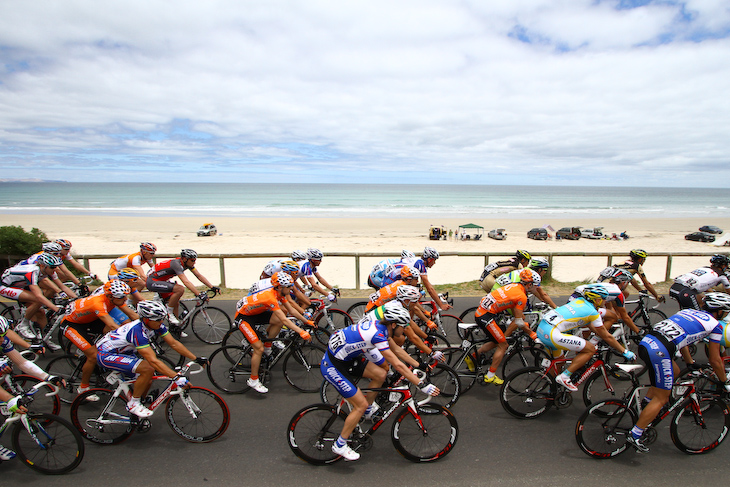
{"points": [[359, 273]]}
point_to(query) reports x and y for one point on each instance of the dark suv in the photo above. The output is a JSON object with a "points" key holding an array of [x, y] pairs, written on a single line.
{"points": [[538, 234], [571, 233]]}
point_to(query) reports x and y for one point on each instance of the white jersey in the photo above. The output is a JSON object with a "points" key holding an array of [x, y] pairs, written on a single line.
{"points": [[259, 286], [702, 279], [613, 290]]}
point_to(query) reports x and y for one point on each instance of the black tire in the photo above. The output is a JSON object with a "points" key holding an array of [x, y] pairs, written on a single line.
{"points": [[11, 312], [69, 368], [519, 358], [108, 428], [336, 319], [696, 431], [448, 382], [41, 403], [654, 315], [313, 430], [602, 429], [613, 386], [230, 375], [450, 324], [528, 393], [61, 449], [357, 310], [429, 443], [320, 335], [467, 377], [212, 415], [301, 367], [468, 315], [210, 324], [435, 341], [234, 337]]}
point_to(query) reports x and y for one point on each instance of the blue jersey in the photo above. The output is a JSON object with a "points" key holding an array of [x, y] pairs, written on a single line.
{"points": [[128, 338], [7, 345], [307, 269], [357, 339], [690, 326], [575, 314], [378, 272]]}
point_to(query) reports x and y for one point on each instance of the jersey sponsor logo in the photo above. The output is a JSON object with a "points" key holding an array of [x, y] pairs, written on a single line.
{"points": [[333, 375], [571, 342]]}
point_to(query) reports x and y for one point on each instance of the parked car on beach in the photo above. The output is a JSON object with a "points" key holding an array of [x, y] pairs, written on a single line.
{"points": [[497, 234], [711, 229], [592, 233], [700, 237], [207, 230], [570, 233], [537, 234]]}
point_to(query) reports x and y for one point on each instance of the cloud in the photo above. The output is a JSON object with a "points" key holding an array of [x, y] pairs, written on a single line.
{"points": [[576, 91]]}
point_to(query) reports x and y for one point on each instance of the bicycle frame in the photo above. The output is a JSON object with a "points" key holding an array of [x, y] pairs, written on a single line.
{"points": [[23, 418], [404, 398]]}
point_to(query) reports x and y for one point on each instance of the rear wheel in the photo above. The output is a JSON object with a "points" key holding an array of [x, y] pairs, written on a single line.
{"points": [[312, 432], [357, 310], [100, 417], [528, 393], [301, 367], [599, 387], [603, 428], [519, 358], [333, 320], [230, 368]]}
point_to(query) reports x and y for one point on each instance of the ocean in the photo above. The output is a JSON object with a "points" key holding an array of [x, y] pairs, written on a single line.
{"points": [[360, 200]]}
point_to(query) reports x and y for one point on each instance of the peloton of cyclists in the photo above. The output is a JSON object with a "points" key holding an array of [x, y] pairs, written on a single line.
{"points": [[537, 264], [311, 276], [688, 289], [427, 260], [66, 257]]}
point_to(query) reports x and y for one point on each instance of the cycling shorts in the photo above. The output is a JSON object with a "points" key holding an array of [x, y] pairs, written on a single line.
{"points": [[160, 286], [126, 364], [654, 352], [81, 335], [685, 296], [494, 332], [343, 374], [10, 292], [556, 341], [249, 324]]}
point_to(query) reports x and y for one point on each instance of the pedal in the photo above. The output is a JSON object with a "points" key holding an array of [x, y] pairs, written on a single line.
{"points": [[144, 425]]}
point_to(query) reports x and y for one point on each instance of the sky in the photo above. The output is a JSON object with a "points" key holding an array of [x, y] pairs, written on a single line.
{"points": [[537, 92]]}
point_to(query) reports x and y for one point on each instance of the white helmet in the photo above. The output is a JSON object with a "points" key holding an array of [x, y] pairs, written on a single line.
{"points": [[398, 315], [408, 293], [407, 254]]}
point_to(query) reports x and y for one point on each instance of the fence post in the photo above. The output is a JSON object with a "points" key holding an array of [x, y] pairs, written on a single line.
{"points": [[357, 271], [222, 268], [669, 267]]}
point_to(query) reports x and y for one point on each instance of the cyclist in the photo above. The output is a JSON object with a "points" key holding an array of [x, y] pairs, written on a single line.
{"points": [[66, 257], [311, 276], [162, 272], [91, 316], [11, 356], [130, 277], [539, 265], [659, 346], [492, 271], [375, 279], [634, 265], [264, 309], [688, 288], [127, 349], [510, 297], [344, 363], [292, 268], [615, 281], [53, 285], [427, 260], [581, 312], [145, 255]]}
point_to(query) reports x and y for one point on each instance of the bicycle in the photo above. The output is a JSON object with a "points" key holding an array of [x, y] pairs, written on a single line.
{"points": [[532, 316], [422, 433], [52, 445], [18, 384], [15, 311], [195, 414], [700, 423], [644, 316], [209, 324], [230, 366]]}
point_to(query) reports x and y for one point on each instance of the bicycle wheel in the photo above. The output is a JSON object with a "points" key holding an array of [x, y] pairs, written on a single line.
{"points": [[210, 324], [234, 337], [53, 447], [230, 375], [321, 335], [528, 393], [333, 320], [301, 367], [700, 429], [450, 324], [599, 387], [654, 316], [468, 315], [448, 382], [69, 368], [12, 313], [198, 415], [313, 430], [602, 429], [519, 358], [426, 438], [104, 420], [357, 311], [435, 340], [457, 362], [41, 403]]}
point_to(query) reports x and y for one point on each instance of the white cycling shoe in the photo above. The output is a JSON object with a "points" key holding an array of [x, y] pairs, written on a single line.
{"points": [[257, 386], [346, 452]]}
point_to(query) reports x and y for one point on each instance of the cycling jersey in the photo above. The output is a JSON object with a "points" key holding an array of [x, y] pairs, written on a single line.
{"points": [[378, 272], [702, 279], [512, 296], [511, 277], [358, 339], [128, 338], [552, 329], [129, 260], [307, 269], [382, 296], [261, 285], [7, 345], [86, 310], [378, 313], [23, 276], [268, 300], [631, 266], [166, 270]]}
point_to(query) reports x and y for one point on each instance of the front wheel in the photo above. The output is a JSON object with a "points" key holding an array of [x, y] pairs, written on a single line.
{"points": [[519, 358], [210, 324], [700, 427], [100, 417], [313, 431], [603, 428], [448, 382], [56, 447], [357, 310], [198, 415], [425, 437], [301, 367], [528, 393], [41, 403], [333, 320], [605, 384]]}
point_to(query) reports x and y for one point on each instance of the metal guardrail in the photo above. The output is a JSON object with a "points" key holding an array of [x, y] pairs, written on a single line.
{"points": [[358, 255]]}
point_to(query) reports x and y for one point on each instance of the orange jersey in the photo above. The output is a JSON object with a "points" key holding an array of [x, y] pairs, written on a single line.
{"points": [[269, 300], [385, 294], [86, 310], [511, 296]]}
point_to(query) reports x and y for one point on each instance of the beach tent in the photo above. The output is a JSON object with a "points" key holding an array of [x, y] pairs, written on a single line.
{"points": [[723, 240], [468, 229]]}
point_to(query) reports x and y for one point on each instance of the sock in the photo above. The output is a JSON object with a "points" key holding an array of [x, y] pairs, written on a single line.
{"points": [[133, 402], [567, 374], [636, 432], [254, 377], [340, 442], [267, 348], [491, 373]]}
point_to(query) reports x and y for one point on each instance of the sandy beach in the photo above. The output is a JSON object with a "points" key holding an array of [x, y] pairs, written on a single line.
{"points": [[113, 236]]}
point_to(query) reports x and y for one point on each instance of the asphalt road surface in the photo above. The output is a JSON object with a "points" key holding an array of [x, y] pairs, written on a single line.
{"points": [[493, 448]]}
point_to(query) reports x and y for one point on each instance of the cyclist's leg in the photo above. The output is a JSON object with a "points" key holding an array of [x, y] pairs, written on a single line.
{"points": [[258, 347], [79, 338]]}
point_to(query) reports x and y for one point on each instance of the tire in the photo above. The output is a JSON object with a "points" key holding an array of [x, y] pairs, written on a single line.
{"points": [[596, 388], [321, 335], [428, 440], [11, 312], [468, 315], [448, 382], [519, 358], [234, 338], [301, 367], [528, 393], [655, 316], [336, 319], [108, 428], [357, 310], [313, 430], [210, 324], [62, 447], [602, 429], [467, 378], [450, 325], [213, 416], [436, 341], [69, 367], [41, 403], [230, 375], [696, 432]]}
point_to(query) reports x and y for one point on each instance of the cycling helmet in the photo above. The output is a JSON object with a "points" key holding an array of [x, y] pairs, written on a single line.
{"points": [[52, 248], [396, 314], [621, 275], [528, 276], [430, 253], [152, 310], [638, 254], [408, 293], [407, 254], [314, 254], [719, 260], [281, 279], [717, 301], [409, 272], [4, 326], [595, 293], [523, 255], [539, 263], [65, 244], [290, 267], [148, 247], [189, 254], [116, 289], [128, 274], [298, 255], [49, 259]]}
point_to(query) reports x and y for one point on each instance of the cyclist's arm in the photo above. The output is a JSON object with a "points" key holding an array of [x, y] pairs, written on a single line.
{"points": [[399, 366], [314, 285], [543, 296], [17, 339], [188, 284], [128, 311], [293, 304], [716, 361], [40, 298], [418, 310], [402, 354], [177, 346], [201, 278], [149, 356], [323, 281], [26, 366], [79, 267], [410, 332], [602, 332], [432, 292], [289, 323], [63, 271], [624, 316], [650, 288], [64, 288]]}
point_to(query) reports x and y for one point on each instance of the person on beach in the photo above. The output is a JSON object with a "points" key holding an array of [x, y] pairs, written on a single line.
{"points": [[145, 255], [66, 257], [634, 265], [492, 271], [688, 289]]}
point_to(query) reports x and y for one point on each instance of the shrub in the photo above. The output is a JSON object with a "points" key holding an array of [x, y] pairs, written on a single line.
{"points": [[16, 243]]}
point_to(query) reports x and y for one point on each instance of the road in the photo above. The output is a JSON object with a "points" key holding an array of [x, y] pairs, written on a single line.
{"points": [[493, 449]]}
